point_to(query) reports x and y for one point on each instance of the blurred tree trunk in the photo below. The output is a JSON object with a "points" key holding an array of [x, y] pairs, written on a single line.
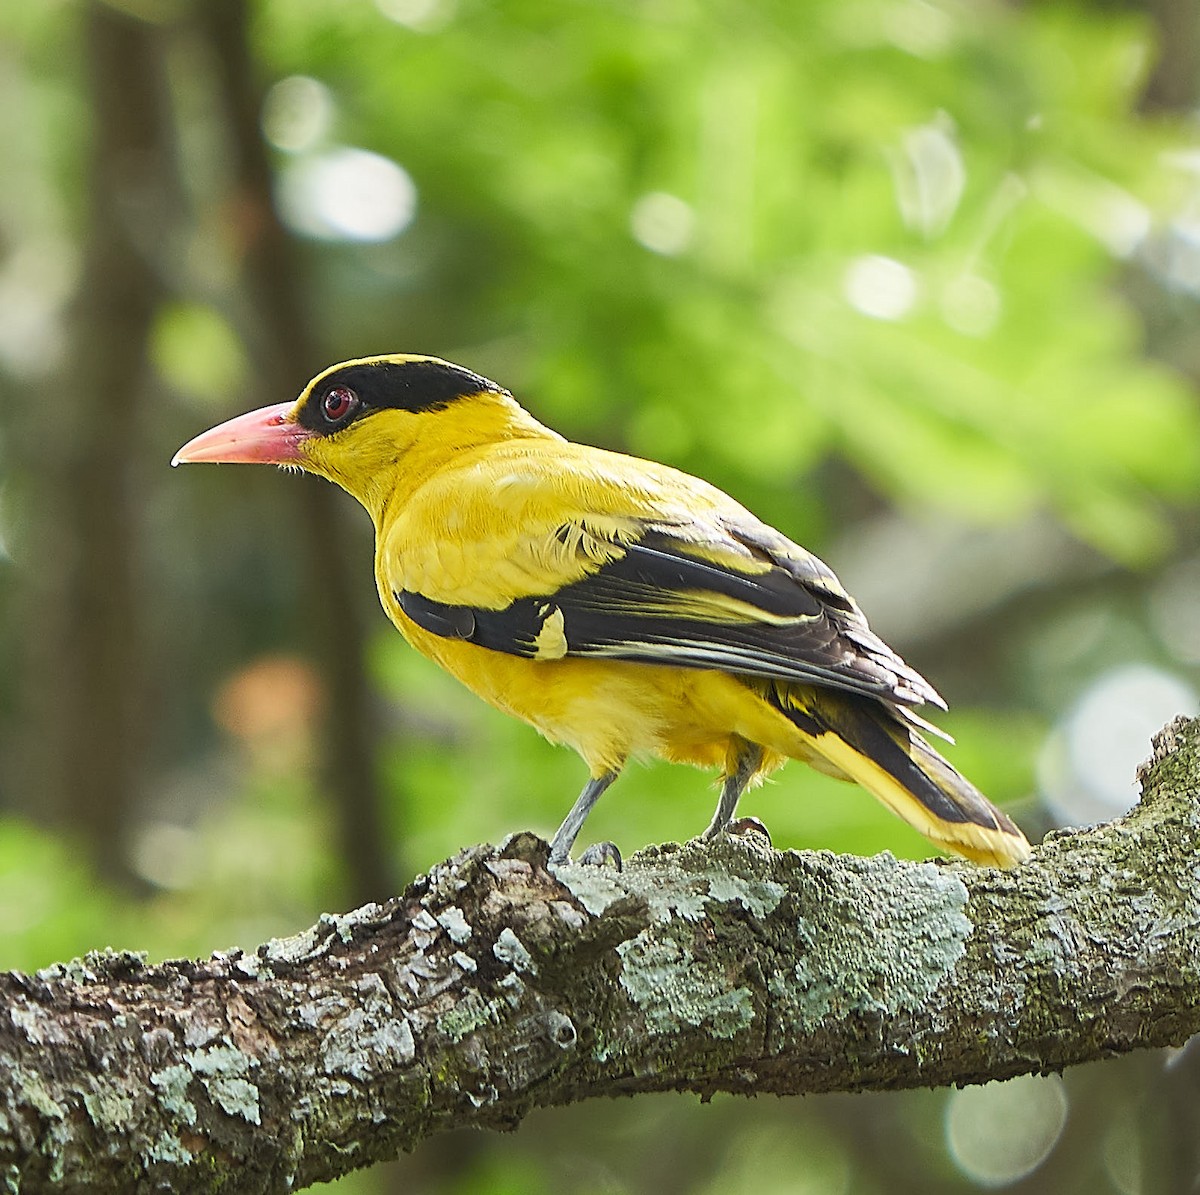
{"points": [[1174, 83], [89, 720], [285, 355], [84, 679]]}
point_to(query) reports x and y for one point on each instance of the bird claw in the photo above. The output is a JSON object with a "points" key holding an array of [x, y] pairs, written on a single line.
{"points": [[601, 853], [742, 827]]}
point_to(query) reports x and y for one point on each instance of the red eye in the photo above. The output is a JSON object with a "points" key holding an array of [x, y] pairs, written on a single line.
{"points": [[339, 404]]}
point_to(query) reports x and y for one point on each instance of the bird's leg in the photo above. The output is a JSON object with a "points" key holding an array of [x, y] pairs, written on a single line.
{"points": [[748, 762], [564, 839]]}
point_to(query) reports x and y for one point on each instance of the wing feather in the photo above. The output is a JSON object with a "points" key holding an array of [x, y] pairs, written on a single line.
{"points": [[656, 603], [596, 554]]}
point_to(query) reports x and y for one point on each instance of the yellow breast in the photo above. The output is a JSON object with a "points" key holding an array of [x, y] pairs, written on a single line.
{"points": [[610, 711]]}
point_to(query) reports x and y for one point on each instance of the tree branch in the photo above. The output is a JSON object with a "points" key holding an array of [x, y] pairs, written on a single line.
{"points": [[495, 985]]}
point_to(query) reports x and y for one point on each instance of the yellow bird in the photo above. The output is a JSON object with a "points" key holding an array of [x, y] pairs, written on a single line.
{"points": [[616, 605]]}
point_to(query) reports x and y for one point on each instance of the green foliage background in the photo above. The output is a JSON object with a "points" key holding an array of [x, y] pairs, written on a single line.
{"points": [[1023, 401]]}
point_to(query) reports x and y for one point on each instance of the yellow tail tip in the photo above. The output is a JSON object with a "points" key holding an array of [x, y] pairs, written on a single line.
{"points": [[987, 847]]}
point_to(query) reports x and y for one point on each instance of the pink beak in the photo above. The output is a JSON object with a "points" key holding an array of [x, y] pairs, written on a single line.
{"points": [[267, 436]]}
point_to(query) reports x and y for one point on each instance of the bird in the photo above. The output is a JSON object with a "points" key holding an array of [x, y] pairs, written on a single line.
{"points": [[621, 607]]}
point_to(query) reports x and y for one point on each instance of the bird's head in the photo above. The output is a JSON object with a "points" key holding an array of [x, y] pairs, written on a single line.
{"points": [[369, 423]]}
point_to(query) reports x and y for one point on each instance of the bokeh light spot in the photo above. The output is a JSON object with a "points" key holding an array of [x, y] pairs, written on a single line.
{"points": [[1088, 765], [662, 223], [36, 281], [880, 287], [197, 353], [918, 28], [167, 855], [423, 16], [271, 706], [297, 113], [929, 176], [970, 305], [1173, 254], [347, 194], [1001, 1132], [1117, 219]]}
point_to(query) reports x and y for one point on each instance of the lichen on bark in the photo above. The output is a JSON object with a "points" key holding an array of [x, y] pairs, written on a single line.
{"points": [[498, 983]]}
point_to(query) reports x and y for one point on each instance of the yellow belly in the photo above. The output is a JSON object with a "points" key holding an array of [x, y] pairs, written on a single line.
{"points": [[613, 710]]}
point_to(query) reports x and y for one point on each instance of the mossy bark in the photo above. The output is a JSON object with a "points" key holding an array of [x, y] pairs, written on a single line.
{"points": [[494, 985]]}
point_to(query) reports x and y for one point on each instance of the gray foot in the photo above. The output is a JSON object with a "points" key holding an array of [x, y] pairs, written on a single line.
{"points": [[601, 853], [745, 827]]}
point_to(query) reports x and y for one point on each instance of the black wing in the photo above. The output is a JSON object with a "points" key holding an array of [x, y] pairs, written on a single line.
{"points": [[776, 613]]}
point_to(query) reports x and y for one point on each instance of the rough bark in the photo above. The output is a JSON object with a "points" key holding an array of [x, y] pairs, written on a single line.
{"points": [[495, 985]]}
